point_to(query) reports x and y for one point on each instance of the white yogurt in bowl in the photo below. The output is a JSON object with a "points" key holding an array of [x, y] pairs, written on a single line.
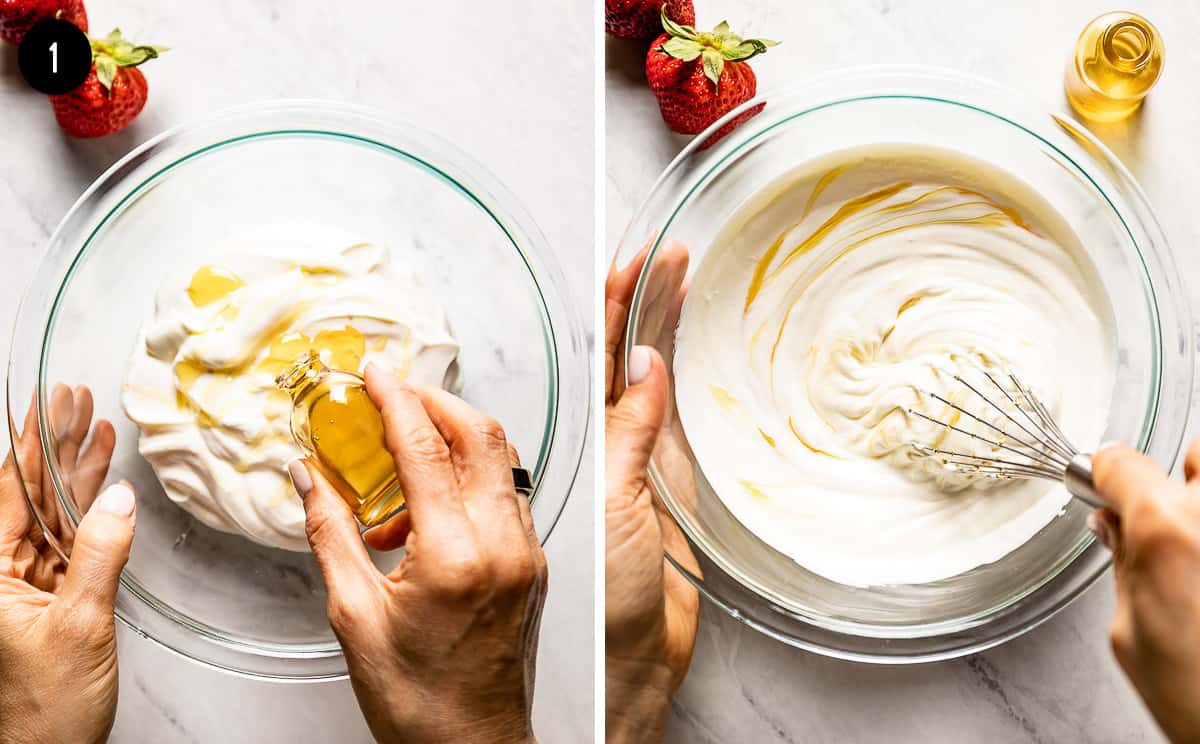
{"points": [[201, 382], [278, 196], [835, 295]]}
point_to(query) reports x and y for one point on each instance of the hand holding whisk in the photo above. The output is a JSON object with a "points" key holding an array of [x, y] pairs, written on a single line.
{"points": [[1026, 443]]}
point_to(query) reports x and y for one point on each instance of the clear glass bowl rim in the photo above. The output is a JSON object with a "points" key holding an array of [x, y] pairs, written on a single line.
{"points": [[869, 82], [569, 374]]}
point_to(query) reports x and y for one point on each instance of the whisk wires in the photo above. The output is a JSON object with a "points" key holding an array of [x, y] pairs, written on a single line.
{"points": [[1029, 445]]}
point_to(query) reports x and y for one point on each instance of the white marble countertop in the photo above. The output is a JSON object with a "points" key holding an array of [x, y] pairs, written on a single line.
{"points": [[530, 124], [1058, 683]]}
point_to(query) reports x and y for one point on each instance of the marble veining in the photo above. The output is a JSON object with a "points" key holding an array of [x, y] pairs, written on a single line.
{"points": [[1058, 683]]}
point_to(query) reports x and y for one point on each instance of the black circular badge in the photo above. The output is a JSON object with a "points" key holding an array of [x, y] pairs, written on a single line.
{"points": [[55, 56]]}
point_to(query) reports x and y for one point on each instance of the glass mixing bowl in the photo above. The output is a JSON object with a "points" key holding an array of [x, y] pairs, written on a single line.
{"points": [[309, 167], [1099, 200]]}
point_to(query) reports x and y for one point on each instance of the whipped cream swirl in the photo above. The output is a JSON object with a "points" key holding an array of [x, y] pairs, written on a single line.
{"points": [[200, 383], [825, 313]]}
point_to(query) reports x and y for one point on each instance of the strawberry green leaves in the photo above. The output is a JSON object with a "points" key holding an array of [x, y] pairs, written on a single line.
{"points": [[683, 49], [677, 30], [714, 47], [114, 51], [748, 49], [714, 65], [106, 70]]}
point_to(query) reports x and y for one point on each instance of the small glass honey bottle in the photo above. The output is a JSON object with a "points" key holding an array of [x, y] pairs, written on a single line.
{"points": [[1117, 59], [335, 423]]}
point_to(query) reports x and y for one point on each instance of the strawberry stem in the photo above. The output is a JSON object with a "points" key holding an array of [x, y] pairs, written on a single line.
{"points": [[714, 48], [113, 52]]}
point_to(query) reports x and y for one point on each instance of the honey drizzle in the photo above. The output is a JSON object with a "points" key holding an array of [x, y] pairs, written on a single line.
{"points": [[760, 269], [339, 349], [989, 220], [753, 490], [212, 283], [809, 447], [851, 209], [723, 397], [342, 349], [996, 212], [909, 304], [1013, 215], [844, 212], [763, 272]]}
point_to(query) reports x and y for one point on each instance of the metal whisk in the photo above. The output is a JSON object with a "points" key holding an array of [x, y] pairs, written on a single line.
{"points": [[1031, 444]]}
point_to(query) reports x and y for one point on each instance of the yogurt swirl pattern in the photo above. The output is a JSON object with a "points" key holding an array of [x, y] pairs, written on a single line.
{"points": [[201, 383], [822, 312]]}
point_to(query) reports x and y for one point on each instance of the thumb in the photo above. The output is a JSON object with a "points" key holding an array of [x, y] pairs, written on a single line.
{"points": [[333, 535], [632, 424], [101, 549], [1123, 476]]}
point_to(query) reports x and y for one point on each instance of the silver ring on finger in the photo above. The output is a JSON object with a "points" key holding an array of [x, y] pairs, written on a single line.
{"points": [[522, 481]]}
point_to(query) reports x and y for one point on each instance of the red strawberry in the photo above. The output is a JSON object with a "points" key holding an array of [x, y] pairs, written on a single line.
{"points": [[18, 16], [700, 76], [639, 19], [114, 92]]}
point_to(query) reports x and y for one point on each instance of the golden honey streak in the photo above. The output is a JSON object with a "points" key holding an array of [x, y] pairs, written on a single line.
{"points": [[845, 212], [982, 201], [873, 206], [809, 447], [754, 490], [850, 209], [853, 207], [723, 398], [994, 219], [760, 268], [200, 383], [212, 283], [762, 275], [342, 348], [967, 267], [909, 304]]}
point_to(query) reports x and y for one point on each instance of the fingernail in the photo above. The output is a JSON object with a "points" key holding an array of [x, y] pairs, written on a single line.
{"points": [[1107, 444], [117, 500], [382, 370], [1099, 529], [301, 480], [639, 364]]}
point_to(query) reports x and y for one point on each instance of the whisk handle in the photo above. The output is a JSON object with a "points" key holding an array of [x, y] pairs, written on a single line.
{"points": [[1078, 480]]}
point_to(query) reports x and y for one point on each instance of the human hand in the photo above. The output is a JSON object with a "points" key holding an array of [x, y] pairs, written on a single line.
{"points": [[443, 648], [1152, 525], [651, 611], [58, 649]]}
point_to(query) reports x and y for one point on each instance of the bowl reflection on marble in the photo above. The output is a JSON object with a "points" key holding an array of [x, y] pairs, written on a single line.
{"points": [[1099, 202], [188, 195]]}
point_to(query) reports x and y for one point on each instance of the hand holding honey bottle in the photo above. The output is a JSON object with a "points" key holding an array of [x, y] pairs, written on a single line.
{"points": [[442, 648], [337, 425]]}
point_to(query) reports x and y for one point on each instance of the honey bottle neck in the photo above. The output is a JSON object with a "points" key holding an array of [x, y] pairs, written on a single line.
{"points": [[307, 372], [1128, 45]]}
